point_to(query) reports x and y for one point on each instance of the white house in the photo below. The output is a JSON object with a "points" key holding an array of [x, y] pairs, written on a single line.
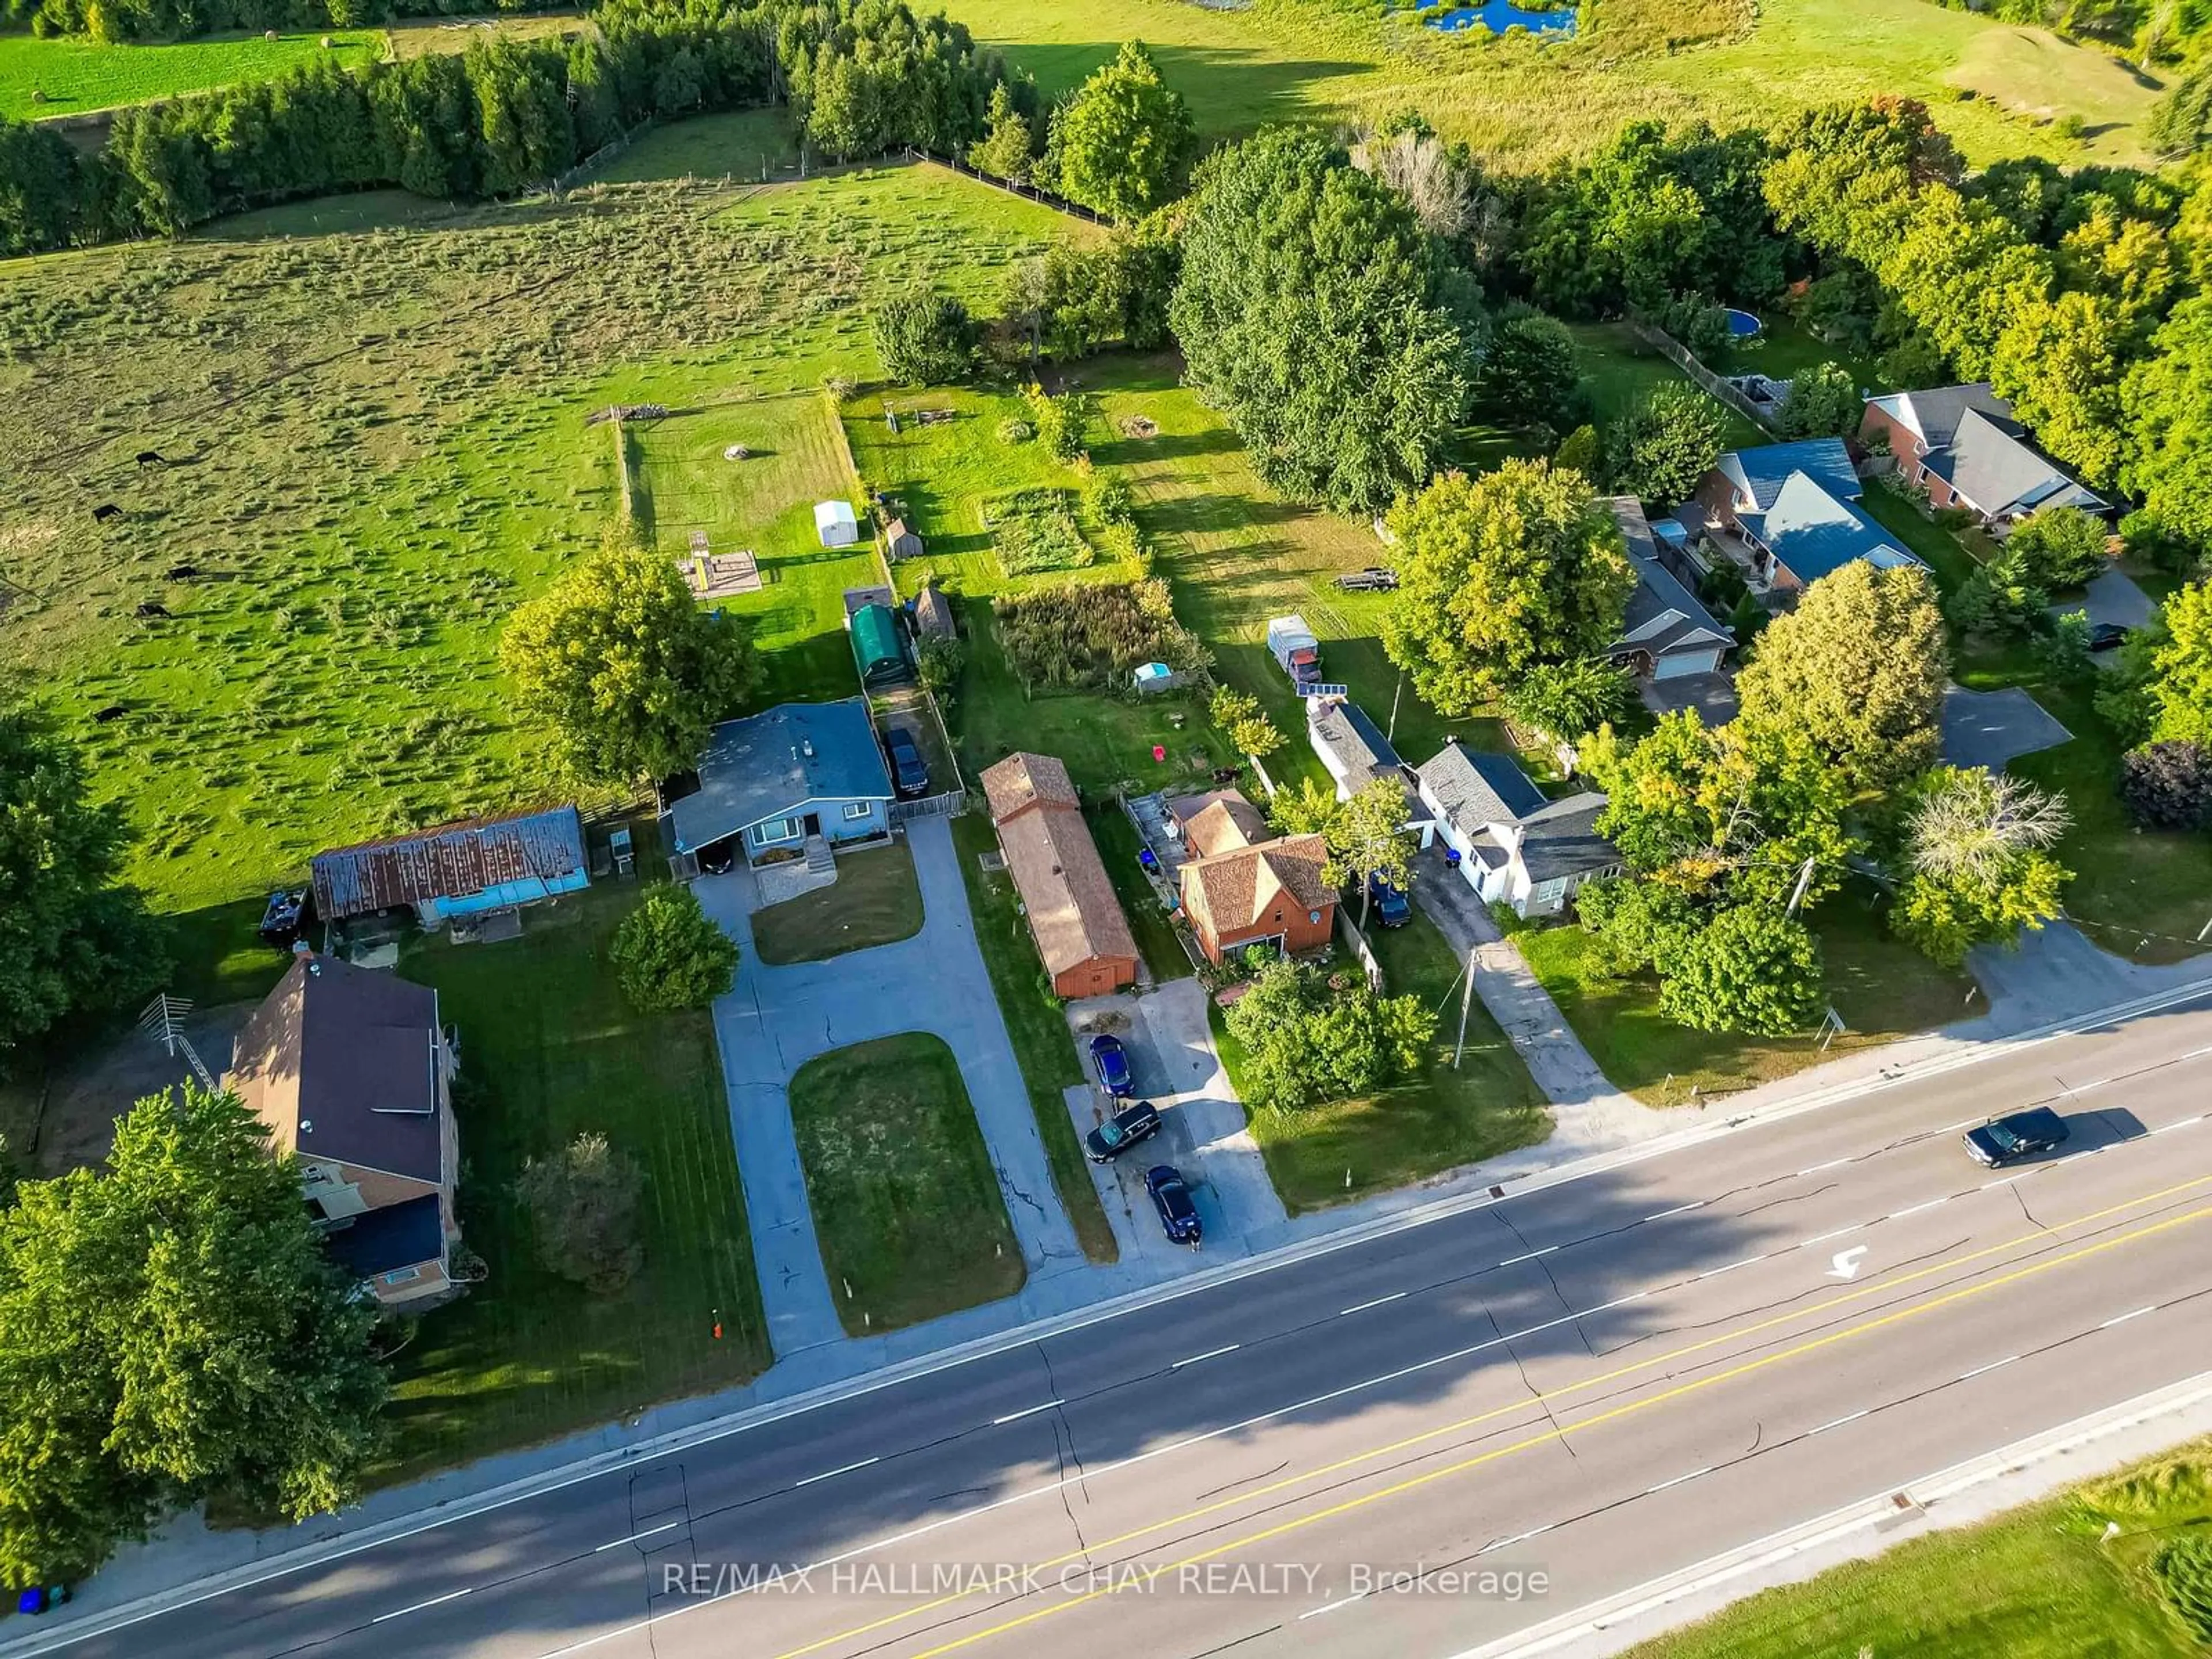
{"points": [[1513, 844], [1355, 753], [835, 524]]}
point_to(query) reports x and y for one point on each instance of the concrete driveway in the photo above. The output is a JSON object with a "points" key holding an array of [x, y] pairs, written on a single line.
{"points": [[776, 1019], [2112, 597], [1203, 1131], [1991, 729]]}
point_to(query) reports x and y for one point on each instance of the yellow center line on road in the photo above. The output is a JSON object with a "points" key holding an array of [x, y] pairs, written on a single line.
{"points": [[1152, 1574], [1874, 1287]]}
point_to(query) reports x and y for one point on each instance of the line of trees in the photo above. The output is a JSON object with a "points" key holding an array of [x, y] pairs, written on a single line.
{"points": [[170, 20], [861, 76]]}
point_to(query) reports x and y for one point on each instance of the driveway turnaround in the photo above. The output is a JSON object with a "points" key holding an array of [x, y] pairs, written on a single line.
{"points": [[1992, 729], [1373, 1451], [776, 1019]]}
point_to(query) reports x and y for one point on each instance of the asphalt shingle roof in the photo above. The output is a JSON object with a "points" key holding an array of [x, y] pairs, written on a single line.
{"points": [[769, 765], [398, 1236], [1352, 737], [1810, 532], [1562, 839], [1760, 472], [1472, 788]]}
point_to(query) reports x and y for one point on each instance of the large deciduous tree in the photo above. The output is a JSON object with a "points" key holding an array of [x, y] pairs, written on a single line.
{"points": [[1823, 403], [1571, 700], [1125, 137], [1499, 574], [1368, 840], [2059, 546], [1739, 810], [1531, 373], [618, 660], [1975, 871], [1748, 968], [1306, 1045], [170, 1330], [1858, 668], [1312, 311], [72, 938], [925, 337], [2180, 686], [1661, 448]]}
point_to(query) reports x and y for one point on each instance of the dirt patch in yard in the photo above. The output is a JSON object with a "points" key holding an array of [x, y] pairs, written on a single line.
{"points": [[85, 1095]]}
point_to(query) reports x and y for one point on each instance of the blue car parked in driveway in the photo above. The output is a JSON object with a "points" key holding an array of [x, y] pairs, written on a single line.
{"points": [[1110, 1062], [1387, 906]]}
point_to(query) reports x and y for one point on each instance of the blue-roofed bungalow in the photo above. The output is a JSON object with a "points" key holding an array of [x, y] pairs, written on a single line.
{"points": [[769, 782], [1795, 507]]}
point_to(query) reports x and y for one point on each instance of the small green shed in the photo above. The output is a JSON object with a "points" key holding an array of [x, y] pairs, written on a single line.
{"points": [[877, 649]]}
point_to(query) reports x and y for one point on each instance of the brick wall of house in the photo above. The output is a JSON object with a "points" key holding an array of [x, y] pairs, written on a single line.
{"points": [[1717, 495], [1903, 445]]}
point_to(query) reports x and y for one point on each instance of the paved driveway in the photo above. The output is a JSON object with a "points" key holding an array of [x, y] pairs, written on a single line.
{"points": [[1202, 1128], [2112, 597], [1991, 729], [776, 1019]]}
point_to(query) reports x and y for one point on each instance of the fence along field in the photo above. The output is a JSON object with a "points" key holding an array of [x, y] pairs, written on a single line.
{"points": [[372, 447]]}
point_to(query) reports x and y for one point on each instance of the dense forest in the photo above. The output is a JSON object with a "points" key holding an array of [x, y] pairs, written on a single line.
{"points": [[860, 76]]}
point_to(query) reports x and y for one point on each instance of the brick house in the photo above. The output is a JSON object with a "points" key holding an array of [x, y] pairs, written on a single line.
{"points": [[1962, 444], [1794, 508], [1244, 885]]}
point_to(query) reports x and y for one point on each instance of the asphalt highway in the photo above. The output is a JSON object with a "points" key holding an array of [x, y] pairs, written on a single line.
{"points": [[1408, 1447]]}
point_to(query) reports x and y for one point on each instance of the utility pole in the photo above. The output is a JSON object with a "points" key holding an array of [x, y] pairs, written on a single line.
{"points": [[1392, 734], [1466, 998], [1804, 880]]}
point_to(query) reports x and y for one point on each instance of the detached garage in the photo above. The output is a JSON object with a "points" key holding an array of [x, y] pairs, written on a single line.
{"points": [[1073, 915]]}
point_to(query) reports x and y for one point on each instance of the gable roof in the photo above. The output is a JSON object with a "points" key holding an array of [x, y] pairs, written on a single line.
{"points": [[1023, 779], [1472, 788], [1561, 839], [341, 1063], [1757, 474], [398, 1236], [451, 861], [1071, 907], [769, 765], [1810, 532], [1662, 613], [1992, 465], [1234, 890], [933, 613], [1226, 821], [1933, 413]]}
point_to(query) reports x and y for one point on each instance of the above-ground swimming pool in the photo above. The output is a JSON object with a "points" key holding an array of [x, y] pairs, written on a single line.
{"points": [[1741, 324], [1499, 16]]}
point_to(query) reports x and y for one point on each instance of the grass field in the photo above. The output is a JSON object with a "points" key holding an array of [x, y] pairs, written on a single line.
{"points": [[1524, 103], [77, 75], [1037, 1027], [549, 1049], [374, 423], [1449, 1118], [2042, 1581], [1119, 845], [905, 1203], [874, 901], [763, 504], [1882, 989]]}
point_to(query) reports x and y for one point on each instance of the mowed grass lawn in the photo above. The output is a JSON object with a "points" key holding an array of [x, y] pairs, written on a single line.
{"points": [[1440, 1121], [874, 901], [1524, 103], [1883, 990], [2040, 1583], [1035, 1024], [683, 485], [550, 1050], [77, 73], [906, 1205]]}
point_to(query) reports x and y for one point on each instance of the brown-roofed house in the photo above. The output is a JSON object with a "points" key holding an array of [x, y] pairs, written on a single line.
{"points": [[1073, 913], [353, 1075], [1244, 885]]}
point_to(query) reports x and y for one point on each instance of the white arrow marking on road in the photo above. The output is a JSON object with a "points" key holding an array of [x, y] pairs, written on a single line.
{"points": [[1846, 1265]]}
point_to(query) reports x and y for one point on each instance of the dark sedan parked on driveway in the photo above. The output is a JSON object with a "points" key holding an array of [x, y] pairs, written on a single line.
{"points": [[1172, 1198], [1110, 1060], [1133, 1123]]}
